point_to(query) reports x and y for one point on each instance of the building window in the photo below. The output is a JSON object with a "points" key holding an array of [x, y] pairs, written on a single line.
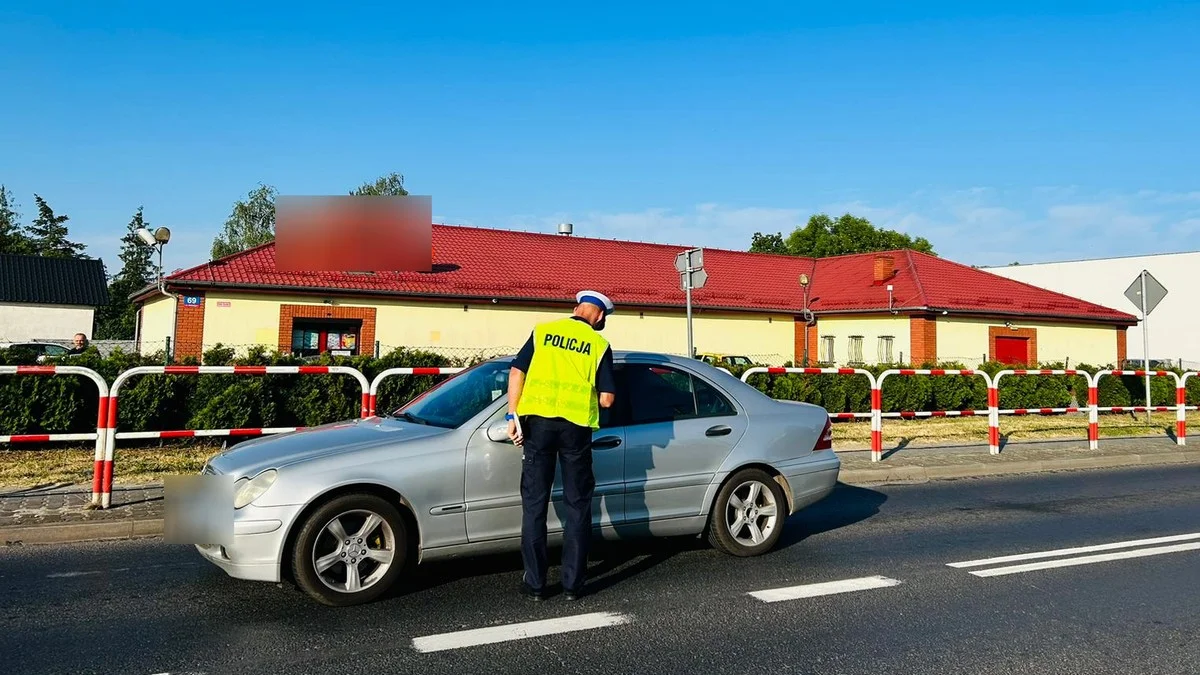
{"points": [[827, 349], [856, 349], [311, 337], [885, 349]]}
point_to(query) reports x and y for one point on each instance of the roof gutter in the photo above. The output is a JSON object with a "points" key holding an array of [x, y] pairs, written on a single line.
{"points": [[343, 292], [314, 290], [1131, 321]]}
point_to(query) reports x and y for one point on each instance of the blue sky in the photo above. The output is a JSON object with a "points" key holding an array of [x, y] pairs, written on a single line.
{"points": [[1001, 131]]}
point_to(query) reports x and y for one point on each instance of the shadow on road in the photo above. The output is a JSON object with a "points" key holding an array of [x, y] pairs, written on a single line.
{"points": [[614, 562], [845, 506]]}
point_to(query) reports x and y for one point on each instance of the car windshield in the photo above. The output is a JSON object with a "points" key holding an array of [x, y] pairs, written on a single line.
{"points": [[455, 400]]}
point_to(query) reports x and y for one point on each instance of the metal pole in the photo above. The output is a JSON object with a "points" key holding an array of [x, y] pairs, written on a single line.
{"points": [[687, 284], [1146, 346]]}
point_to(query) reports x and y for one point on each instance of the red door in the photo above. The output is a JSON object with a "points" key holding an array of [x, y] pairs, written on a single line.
{"points": [[1012, 350]]}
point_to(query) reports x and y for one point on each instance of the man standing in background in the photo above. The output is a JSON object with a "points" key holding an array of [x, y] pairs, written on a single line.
{"points": [[557, 384]]}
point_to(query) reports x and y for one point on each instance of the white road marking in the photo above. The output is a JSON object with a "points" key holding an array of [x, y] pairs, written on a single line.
{"points": [[826, 588], [1072, 551], [517, 631], [1086, 560]]}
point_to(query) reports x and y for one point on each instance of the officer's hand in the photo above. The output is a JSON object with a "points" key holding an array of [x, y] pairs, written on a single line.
{"points": [[513, 434]]}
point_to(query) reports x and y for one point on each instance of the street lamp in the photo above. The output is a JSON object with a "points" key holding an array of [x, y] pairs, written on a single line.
{"points": [[807, 314], [157, 240]]}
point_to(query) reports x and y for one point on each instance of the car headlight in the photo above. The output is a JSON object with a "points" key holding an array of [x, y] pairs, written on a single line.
{"points": [[246, 490]]}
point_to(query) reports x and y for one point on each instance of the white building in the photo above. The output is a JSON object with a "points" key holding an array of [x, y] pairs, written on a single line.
{"points": [[1174, 325], [49, 298]]}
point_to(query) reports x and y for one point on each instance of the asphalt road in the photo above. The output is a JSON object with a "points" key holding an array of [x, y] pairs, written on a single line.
{"points": [[679, 607]]}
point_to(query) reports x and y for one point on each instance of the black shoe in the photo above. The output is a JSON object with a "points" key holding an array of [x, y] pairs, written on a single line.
{"points": [[532, 593], [572, 596]]}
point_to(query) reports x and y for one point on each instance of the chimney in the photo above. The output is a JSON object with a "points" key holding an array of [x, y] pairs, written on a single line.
{"points": [[885, 267], [565, 229]]}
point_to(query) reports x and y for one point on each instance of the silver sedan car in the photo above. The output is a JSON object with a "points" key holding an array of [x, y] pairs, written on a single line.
{"points": [[686, 450]]}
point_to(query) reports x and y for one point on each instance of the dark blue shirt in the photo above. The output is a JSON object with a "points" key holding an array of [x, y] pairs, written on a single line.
{"points": [[606, 382]]}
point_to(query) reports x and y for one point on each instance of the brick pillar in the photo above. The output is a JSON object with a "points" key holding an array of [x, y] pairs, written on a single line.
{"points": [[923, 338], [1122, 354], [802, 335], [189, 330]]}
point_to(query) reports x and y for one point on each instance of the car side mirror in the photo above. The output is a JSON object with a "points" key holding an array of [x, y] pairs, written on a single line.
{"points": [[498, 432]]}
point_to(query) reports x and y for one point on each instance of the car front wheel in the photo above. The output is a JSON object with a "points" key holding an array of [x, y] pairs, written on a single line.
{"points": [[350, 550], [748, 514]]}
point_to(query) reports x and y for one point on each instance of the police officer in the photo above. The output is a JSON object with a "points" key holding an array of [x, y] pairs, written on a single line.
{"points": [[558, 383]]}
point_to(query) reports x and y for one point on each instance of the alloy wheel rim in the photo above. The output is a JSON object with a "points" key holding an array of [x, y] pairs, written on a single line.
{"points": [[751, 514], [353, 551]]}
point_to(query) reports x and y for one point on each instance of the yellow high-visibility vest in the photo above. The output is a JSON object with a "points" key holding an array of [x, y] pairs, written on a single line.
{"points": [[561, 381]]}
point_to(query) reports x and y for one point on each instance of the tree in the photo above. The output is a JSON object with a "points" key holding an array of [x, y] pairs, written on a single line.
{"points": [[12, 236], [118, 319], [48, 234], [768, 243], [824, 236], [252, 223], [389, 185]]}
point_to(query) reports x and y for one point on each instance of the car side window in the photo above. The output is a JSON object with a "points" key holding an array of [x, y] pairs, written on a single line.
{"points": [[709, 401], [660, 394]]}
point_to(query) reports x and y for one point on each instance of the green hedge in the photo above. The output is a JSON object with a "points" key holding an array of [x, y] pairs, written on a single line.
{"points": [[67, 404], [903, 393]]}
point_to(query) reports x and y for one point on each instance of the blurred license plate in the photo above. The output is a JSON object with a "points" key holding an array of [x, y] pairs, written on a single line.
{"points": [[199, 510]]}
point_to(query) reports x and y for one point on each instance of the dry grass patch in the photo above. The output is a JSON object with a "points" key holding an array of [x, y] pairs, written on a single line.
{"points": [[932, 431], [23, 468]]}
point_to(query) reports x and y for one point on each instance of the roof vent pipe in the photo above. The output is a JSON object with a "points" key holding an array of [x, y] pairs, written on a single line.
{"points": [[566, 229]]}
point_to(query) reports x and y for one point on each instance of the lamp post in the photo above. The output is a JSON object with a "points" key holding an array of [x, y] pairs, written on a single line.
{"points": [[808, 315], [156, 240]]}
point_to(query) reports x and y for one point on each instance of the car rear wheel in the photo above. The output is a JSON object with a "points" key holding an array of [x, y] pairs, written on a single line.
{"points": [[350, 550], [747, 516]]}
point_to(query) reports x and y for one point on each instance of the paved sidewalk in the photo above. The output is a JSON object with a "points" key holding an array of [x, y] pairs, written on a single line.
{"points": [[58, 514]]}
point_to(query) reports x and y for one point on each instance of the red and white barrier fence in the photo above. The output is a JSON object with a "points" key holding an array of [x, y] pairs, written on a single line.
{"points": [[876, 399], [1180, 406], [104, 469], [994, 401], [877, 403], [101, 415], [390, 372]]}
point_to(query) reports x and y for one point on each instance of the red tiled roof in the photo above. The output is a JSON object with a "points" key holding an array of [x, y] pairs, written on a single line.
{"points": [[477, 263]]}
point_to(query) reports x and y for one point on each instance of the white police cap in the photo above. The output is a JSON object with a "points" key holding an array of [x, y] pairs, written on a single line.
{"points": [[596, 298]]}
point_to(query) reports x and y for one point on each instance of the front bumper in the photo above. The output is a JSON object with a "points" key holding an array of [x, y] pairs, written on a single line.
{"points": [[259, 535]]}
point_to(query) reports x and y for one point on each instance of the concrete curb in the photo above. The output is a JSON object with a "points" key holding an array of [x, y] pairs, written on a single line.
{"points": [[922, 474], [70, 533]]}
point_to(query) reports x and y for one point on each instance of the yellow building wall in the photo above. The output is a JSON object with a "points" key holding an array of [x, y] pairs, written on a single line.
{"points": [[254, 319], [156, 325], [871, 328], [967, 339]]}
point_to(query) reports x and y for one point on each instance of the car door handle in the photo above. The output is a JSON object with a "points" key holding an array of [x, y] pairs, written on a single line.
{"points": [[720, 430], [606, 442]]}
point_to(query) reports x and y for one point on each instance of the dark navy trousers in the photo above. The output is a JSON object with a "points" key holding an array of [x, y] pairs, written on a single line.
{"points": [[551, 442]]}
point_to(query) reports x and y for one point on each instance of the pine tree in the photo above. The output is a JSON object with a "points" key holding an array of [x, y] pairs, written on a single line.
{"points": [[12, 236], [118, 319], [48, 233]]}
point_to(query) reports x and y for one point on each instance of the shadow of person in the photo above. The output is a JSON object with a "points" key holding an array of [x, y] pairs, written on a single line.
{"points": [[845, 506]]}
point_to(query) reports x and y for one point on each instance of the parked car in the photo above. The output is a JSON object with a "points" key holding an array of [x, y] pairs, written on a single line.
{"points": [[343, 509], [725, 359], [38, 351]]}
